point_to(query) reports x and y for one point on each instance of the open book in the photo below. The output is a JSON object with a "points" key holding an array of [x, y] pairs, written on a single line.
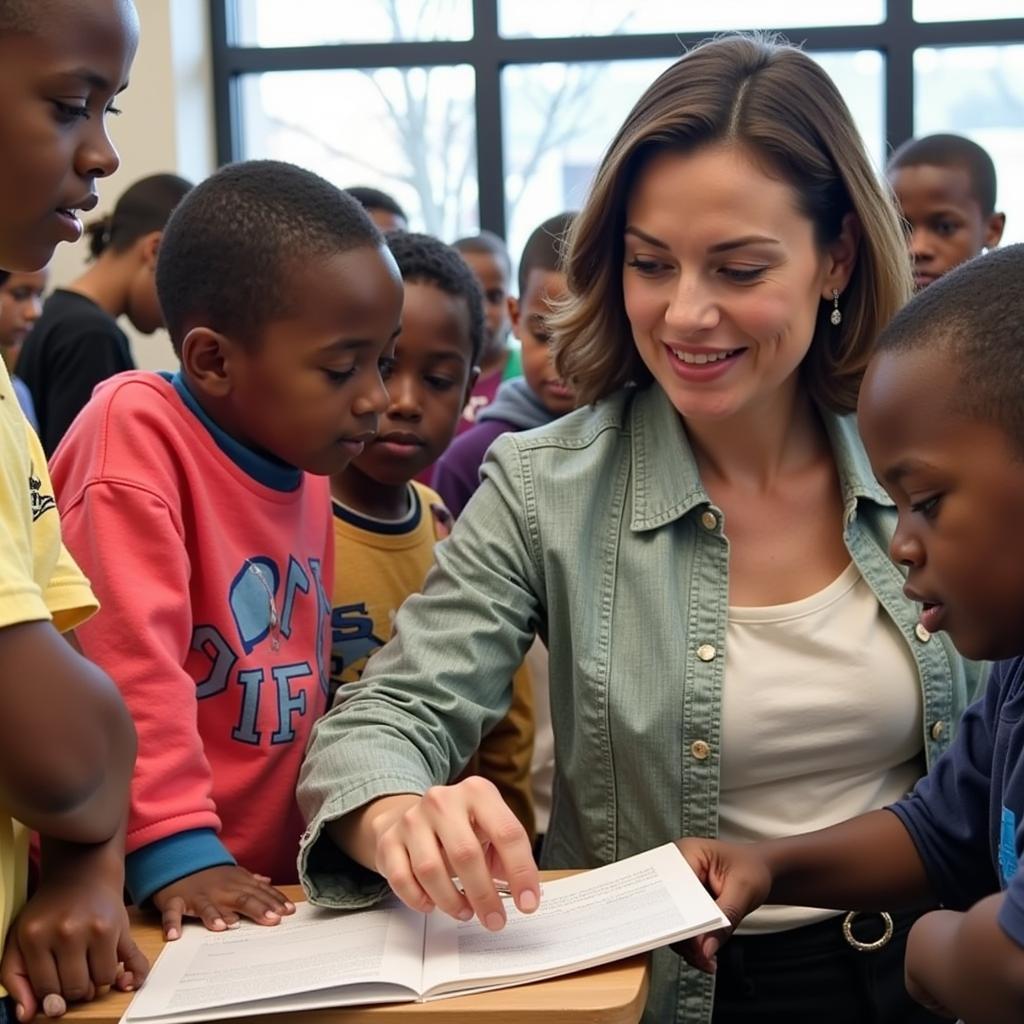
{"points": [[322, 958]]}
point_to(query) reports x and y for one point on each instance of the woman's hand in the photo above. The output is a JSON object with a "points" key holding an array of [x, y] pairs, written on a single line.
{"points": [[738, 878], [465, 830]]}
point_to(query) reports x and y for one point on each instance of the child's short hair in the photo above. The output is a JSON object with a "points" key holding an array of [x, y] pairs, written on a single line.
{"points": [[952, 151], [21, 17], [145, 207], [424, 259], [544, 247], [487, 243], [970, 313], [374, 199], [230, 246]]}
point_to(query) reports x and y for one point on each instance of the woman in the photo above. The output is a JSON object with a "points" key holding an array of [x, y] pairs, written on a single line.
{"points": [[703, 551], [76, 343]]}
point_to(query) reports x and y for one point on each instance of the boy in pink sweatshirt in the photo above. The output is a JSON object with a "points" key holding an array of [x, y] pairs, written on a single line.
{"points": [[199, 506]]}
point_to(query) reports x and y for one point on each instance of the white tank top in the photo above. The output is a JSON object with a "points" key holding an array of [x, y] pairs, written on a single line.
{"points": [[821, 721]]}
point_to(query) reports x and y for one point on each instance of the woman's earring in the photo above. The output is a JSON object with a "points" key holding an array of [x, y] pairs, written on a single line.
{"points": [[836, 317]]}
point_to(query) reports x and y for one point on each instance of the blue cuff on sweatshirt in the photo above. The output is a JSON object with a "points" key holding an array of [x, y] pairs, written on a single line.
{"points": [[152, 867]]}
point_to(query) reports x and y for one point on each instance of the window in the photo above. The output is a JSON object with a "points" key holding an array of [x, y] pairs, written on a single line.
{"points": [[408, 131], [494, 113]]}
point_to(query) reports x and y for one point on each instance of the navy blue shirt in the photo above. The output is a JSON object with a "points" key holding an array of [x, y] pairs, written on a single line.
{"points": [[966, 816]]}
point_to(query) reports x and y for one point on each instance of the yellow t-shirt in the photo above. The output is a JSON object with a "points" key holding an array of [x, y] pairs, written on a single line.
{"points": [[39, 581]]}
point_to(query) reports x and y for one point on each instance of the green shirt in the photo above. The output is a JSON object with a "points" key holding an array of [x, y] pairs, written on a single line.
{"points": [[596, 532]]}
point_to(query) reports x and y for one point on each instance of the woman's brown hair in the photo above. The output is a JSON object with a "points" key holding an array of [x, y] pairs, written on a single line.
{"points": [[777, 103]]}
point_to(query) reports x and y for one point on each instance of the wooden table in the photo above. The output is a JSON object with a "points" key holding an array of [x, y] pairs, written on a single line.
{"points": [[613, 994]]}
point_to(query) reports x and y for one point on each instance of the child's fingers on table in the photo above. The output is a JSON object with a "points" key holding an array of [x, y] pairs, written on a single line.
{"points": [[41, 968], [102, 959], [282, 905], [134, 960], [170, 917], [14, 977], [256, 904]]}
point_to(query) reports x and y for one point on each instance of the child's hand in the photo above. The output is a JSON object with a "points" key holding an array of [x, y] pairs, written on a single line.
{"points": [[68, 945], [218, 896], [740, 882]]}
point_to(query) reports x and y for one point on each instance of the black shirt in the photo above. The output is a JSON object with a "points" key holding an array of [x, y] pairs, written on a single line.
{"points": [[72, 347]]}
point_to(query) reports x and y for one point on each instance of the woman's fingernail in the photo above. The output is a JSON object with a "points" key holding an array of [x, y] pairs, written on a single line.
{"points": [[234, 924], [271, 916], [494, 921], [219, 923], [172, 934], [19, 1011], [528, 901], [289, 906], [465, 914]]}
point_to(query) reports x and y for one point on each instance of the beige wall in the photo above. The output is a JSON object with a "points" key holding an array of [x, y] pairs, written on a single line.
{"points": [[167, 125]]}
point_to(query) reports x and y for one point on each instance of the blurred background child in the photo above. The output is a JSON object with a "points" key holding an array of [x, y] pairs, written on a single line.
{"points": [[383, 209], [488, 258], [21, 302], [386, 523], [536, 398], [76, 342], [946, 187]]}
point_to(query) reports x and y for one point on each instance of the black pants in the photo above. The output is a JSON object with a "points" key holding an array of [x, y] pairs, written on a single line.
{"points": [[812, 975]]}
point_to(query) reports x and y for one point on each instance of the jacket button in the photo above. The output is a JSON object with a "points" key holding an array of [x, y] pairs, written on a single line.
{"points": [[700, 750], [922, 634], [709, 520], [938, 729], [706, 652]]}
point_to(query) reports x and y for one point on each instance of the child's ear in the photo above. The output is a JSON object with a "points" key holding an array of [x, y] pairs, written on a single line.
{"points": [[206, 358], [474, 376], [149, 247], [513, 314], [995, 224], [841, 256]]}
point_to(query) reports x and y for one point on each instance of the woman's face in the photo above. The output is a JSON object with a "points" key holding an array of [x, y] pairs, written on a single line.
{"points": [[722, 280]]}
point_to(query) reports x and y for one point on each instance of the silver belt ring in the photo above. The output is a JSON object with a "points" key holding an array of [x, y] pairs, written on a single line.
{"points": [[866, 947]]}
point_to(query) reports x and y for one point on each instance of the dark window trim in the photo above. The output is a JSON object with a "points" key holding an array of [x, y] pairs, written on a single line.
{"points": [[898, 36]]}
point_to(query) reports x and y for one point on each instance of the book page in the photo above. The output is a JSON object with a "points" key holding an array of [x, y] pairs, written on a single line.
{"points": [[309, 951], [611, 912]]}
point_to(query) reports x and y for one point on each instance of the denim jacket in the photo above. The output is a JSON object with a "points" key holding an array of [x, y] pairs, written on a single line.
{"points": [[595, 532]]}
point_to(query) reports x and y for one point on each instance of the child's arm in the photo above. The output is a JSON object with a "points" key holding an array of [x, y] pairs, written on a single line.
{"points": [[862, 864], [66, 741], [130, 544], [987, 984], [930, 847]]}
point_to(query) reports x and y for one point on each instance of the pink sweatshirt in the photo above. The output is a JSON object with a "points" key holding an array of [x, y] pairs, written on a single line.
{"points": [[209, 561]]}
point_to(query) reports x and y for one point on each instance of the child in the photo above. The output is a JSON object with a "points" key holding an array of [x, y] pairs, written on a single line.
{"points": [[946, 187], [21, 302], [383, 209], [949, 447], [187, 501], [488, 259], [540, 395], [76, 343], [68, 744], [385, 525]]}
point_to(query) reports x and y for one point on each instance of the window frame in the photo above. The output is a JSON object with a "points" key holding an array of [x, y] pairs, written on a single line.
{"points": [[897, 37]]}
